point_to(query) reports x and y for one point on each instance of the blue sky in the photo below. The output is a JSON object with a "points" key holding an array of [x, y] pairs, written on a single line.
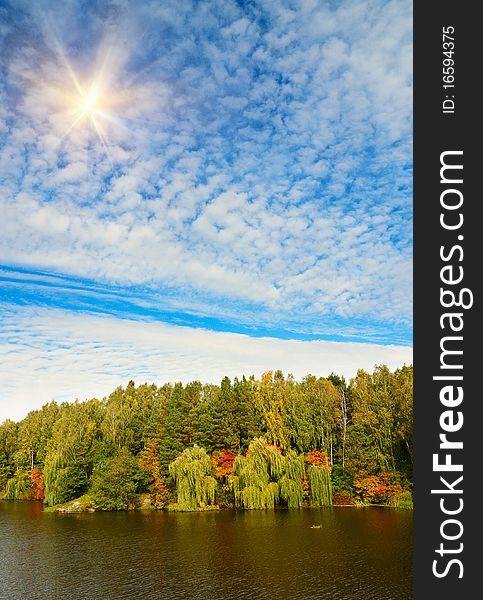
{"points": [[214, 166]]}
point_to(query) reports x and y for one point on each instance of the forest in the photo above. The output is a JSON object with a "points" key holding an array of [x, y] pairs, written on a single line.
{"points": [[248, 443]]}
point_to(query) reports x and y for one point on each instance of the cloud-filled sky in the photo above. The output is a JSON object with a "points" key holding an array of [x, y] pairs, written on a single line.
{"points": [[219, 165]]}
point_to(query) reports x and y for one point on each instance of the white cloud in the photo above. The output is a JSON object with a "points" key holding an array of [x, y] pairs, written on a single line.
{"points": [[48, 354]]}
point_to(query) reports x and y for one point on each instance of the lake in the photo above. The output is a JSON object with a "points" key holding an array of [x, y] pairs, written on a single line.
{"points": [[355, 554]]}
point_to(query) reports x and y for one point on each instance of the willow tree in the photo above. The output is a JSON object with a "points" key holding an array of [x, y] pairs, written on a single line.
{"points": [[320, 486], [291, 482], [19, 487], [256, 475], [195, 485], [320, 483]]}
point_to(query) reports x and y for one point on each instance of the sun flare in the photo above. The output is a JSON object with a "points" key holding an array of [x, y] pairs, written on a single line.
{"points": [[88, 104], [86, 108], [101, 102]]}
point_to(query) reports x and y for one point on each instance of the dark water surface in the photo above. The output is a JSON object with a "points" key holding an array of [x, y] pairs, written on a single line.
{"points": [[356, 554]]}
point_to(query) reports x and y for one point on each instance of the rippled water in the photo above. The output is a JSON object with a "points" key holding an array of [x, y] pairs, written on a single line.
{"points": [[356, 554]]}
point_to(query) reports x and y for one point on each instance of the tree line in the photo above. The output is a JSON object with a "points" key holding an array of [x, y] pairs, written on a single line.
{"points": [[251, 442]]}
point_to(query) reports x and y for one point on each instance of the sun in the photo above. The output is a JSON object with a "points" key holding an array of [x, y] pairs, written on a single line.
{"points": [[88, 104], [99, 100], [80, 101], [92, 99]]}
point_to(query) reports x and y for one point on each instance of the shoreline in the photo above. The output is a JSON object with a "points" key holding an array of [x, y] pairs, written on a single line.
{"points": [[74, 507]]}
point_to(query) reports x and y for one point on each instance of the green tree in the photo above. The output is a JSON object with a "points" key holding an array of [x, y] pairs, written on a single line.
{"points": [[71, 450], [122, 422], [375, 408], [246, 418], [216, 418], [192, 473], [256, 475], [154, 410], [403, 394], [116, 482], [270, 400], [34, 433], [8, 449], [344, 417], [291, 482], [19, 487], [319, 476], [180, 428], [315, 415]]}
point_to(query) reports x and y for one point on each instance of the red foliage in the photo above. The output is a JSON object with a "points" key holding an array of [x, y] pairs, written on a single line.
{"points": [[318, 459], [37, 479], [378, 489], [223, 463]]}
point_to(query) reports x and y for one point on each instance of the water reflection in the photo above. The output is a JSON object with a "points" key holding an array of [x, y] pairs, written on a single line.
{"points": [[355, 554]]}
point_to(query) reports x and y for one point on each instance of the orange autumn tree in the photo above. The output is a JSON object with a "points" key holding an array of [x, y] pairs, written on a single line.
{"points": [[148, 461], [223, 462], [37, 483], [318, 459], [223, 468], [383, 488]]}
